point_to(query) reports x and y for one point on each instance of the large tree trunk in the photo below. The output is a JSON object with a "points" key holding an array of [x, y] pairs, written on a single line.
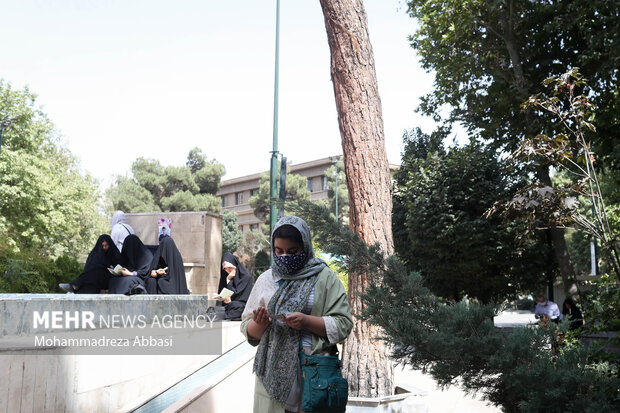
{"points": [[365, 359]]}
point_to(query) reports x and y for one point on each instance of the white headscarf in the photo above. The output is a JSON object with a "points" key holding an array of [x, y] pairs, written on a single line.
{"points": [[120, 229], [118, 218]]}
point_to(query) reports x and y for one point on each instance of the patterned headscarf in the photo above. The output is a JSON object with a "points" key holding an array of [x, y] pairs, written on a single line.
{"points": [[277, 354]]}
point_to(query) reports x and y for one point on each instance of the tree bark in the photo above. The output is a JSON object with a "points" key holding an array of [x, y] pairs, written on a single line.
{"points": [[365, 357]]}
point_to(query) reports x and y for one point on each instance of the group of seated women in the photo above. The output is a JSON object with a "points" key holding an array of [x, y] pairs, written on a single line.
{"points": [[140, 272]]}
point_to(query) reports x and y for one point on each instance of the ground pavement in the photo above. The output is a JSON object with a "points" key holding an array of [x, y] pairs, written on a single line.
{"points": [[453, 399]]}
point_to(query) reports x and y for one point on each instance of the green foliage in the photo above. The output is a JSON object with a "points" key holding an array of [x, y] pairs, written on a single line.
{"points": [[336, 264], [47, 205], [568, 150], [30, 273], [128, 196], [207, 173], [231, 234], [602, 305], [296, 190], [196, 159], [578, 243], [191, 187], [490, 56], [153, 187], [440, 227], [522, 371], [180, 201], [337, 183], [261, 262], [254, 245], [179, 179], [149, 174]]}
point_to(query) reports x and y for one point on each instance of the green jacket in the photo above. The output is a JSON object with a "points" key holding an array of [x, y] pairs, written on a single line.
{"points": [[330, 299]]}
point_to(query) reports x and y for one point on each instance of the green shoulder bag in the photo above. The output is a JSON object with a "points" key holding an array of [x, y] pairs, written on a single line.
{"points": [[324, 388]]}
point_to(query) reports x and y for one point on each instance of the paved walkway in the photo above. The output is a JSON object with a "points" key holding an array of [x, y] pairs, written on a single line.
{"points": [[451, 400]]}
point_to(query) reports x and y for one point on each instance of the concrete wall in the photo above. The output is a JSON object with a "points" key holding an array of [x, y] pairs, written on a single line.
{"points": [[233, 392], [44, 381], [198, 235]]}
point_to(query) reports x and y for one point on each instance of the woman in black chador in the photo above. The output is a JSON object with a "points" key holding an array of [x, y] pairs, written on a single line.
{"points": [[136, 259], [573, 313], [170, 280], [237, 279], [96, 274]]}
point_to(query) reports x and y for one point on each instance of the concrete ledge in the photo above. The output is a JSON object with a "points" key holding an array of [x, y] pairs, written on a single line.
{"points": [[16, 309], [46, 379]]}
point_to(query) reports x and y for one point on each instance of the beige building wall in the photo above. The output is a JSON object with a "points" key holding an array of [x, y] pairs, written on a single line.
{"points": [[235, 193], [198, 236]]}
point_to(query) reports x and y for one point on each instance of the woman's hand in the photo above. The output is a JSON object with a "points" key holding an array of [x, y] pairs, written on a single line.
{"points": [[126, 272], [261, 316], [301, 321], [296, 320], [161, 271], [226, 300], [153, 273], [260, 322], [231, 274]]}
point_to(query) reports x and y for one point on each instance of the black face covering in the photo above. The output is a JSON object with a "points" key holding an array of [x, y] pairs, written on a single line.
{"points": [[168, 255], [136, 256], [98, 258]]}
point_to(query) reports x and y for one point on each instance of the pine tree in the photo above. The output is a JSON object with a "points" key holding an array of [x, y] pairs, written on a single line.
{"points": [[522, 371]]}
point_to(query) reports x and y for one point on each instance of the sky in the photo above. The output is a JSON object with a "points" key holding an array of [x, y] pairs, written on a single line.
{"points": [[128, 79]]}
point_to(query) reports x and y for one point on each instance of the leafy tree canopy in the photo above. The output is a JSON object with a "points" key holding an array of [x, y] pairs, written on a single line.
{"points": [[525, 370], [296, 190], [153, 187], [48, 206], [231, 234], [442, 195], [337, 184], [191, 187], [490, 56]]}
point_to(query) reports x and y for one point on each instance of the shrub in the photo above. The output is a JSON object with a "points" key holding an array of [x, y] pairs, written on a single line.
{"points": [[29, 273]]}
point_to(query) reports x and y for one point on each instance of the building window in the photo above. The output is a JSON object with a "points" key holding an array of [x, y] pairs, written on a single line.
{"points": [[239, 198], [310, 184], [253, 192], [253, 227], [224, 201], [324, 183]]}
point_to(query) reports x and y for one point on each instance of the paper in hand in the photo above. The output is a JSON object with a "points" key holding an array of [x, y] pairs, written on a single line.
{"points": [[224, 294], [116, 270]]}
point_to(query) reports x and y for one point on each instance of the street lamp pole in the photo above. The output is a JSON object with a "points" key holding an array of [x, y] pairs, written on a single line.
{"points": [[273, 210], [337, 216]]}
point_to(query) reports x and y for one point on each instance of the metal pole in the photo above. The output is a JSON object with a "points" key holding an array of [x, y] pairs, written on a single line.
{"points": [[273, 210], [282, 196], [337, 216]]}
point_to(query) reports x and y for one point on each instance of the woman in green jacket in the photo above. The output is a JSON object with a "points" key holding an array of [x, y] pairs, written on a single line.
{"points": [[299, 301]]}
